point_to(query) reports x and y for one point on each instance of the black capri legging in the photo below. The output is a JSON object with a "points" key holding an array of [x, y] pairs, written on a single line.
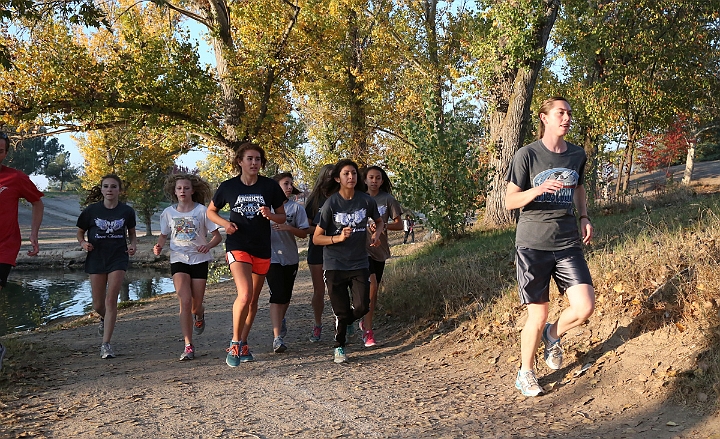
{"points": [[281, 280]]}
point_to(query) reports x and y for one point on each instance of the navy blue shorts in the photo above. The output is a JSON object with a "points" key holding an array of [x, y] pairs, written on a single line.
{"points": [[196, 271], [536, 267]]}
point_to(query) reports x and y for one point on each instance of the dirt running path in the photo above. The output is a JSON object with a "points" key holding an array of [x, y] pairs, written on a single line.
{"points": [[444, 383], [449, 387]]}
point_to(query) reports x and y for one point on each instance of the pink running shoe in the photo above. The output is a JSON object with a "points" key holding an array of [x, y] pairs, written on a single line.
{"points": [[369, 338]]}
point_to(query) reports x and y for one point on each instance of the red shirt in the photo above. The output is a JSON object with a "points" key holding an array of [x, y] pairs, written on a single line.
{"points": [[14, 185]]}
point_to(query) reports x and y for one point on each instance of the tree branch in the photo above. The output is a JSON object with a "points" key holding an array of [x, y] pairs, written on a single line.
{"points": [[401, 138], [185, 12]]}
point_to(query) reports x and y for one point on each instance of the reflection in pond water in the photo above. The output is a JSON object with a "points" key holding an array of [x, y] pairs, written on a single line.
{"points": [[33, 298]]}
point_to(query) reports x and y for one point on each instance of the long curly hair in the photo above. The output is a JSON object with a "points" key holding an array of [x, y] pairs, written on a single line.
{"points": [[201, 189], [95, 195]]}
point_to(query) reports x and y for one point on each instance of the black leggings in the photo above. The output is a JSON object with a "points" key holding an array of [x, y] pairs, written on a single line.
{"points": [[349, 292]]}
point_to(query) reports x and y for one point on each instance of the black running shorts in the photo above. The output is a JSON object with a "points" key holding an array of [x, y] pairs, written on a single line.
{"points": [[196, 271], [281, 279], [377, 268], [536, 267], [4, 273]]}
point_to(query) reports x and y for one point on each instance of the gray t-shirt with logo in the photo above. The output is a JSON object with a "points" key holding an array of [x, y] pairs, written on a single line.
{"points": [[548, 222], [338, 213], [389, 209], [284, 246]]}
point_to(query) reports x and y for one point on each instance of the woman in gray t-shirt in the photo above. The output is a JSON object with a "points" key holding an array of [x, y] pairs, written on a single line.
{"points": [[545, 181], [285, 260], [342, 229]]}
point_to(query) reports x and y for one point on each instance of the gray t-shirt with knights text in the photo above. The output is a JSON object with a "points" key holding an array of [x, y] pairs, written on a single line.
{"points": [[548, 222]]}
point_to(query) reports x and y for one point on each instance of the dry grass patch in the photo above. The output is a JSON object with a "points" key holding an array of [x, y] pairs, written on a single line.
{"points": [[654, 264]]}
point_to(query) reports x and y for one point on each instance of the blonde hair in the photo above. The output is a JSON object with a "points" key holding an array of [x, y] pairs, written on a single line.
{"points": [[201, 188], [547, 105]]}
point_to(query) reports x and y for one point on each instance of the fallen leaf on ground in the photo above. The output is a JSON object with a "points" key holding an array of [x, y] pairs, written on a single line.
{"points": [[582, 370]]}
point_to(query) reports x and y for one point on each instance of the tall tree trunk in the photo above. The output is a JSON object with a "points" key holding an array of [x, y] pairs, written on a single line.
{"points": [[430, 8], [510, 119], [629, 160], [689, 164], [147, 217], [591, 168], [234, 105], [356, 88], [618, 182]]}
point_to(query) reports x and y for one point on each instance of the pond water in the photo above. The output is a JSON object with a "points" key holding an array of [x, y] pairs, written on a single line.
{"points": [[34, 298]]}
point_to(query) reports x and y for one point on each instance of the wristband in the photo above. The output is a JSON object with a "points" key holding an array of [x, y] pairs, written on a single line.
{"points": [[332, 239], [585, 216]]}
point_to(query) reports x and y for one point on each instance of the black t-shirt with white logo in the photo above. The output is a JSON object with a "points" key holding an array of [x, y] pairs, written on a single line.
{"points": [[253, 234], [107, 232]]}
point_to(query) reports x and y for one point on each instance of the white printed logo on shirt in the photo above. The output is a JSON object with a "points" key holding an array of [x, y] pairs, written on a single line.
{"points": [[351, 219], [569, 179], [248, 205], [109, 227]]}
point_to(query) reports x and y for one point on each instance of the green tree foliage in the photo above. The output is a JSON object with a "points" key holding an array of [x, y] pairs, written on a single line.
{"points": [[441, 175], [84, 12], [61, 171], [32, 156], [142, 159], [635, 65], [505, 43], [144, 71]]}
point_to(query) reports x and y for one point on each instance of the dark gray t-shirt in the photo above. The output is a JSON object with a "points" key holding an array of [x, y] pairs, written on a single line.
{"points": [[389, 209], [338, 213], [548, 222]]}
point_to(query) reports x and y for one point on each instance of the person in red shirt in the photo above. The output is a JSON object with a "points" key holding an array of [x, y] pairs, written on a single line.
{"points": [[15, 185]]}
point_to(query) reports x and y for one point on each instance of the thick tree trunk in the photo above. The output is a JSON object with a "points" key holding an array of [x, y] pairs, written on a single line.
{"points": [[510, 119], [147, 217], [507, 131], [224, 46], [356, 87]]}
